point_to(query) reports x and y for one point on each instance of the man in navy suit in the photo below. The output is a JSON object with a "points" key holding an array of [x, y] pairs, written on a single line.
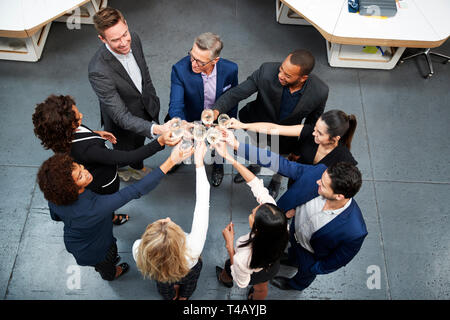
{"points": [[197, 81], [327, 229]]}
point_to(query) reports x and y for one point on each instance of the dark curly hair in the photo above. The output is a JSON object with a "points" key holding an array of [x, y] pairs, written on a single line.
{"points": [[346, 179], [55, 180], [54, 121]]}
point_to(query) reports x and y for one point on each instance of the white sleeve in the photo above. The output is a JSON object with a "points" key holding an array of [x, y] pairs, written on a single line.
{"points": [[240, 270], [197, 237], [260, 192], [135, 248]]}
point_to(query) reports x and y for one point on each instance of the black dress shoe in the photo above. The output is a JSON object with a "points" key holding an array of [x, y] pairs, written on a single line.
{"points": [[218, 273], [217, 175], [255, 169], [281, 283], [274, 188]]}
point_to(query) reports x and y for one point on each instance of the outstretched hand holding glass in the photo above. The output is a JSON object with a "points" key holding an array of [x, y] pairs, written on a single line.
{"points": [[178, 154], [167, 139], [207, 117], [199, 153], [236, 124], [229, 137]]}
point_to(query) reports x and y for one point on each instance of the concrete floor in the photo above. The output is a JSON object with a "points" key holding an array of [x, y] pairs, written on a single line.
{"points": [[401, 143]]}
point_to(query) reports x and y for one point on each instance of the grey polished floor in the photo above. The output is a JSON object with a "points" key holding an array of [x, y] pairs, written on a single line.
{"points": [[401, 143]]}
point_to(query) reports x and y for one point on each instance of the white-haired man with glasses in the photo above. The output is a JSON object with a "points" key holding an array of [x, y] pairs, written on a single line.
{"points": [[197, 81]]}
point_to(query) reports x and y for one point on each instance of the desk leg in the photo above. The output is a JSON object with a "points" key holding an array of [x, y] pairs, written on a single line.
{"points": [[285, 15], [85, 13], [24, 49], [346, 56]]}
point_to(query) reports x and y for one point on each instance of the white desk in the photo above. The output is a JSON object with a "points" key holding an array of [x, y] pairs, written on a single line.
{"points": [[417, 24], [24, 24]]}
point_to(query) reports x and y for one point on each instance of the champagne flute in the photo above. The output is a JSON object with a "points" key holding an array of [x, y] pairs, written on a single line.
{"points": [[223, 121], [185, 145], [208, 117], [176, 128], [199, 132], [213, 136]]}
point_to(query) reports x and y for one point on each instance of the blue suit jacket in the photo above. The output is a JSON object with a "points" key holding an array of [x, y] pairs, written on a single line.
{"points": [[186, 88], [336, 243], [88, 228]]}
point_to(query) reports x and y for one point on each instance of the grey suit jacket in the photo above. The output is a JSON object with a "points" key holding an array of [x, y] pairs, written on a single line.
{"points": [[266, 107], [124, 110]]}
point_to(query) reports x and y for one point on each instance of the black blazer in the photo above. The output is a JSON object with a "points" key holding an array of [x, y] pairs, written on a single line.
{"points": [[124, 110], [266, 107], [90, 150]]}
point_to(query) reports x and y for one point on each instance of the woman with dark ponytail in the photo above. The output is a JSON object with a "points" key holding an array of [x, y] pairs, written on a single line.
{"points": [[328, 142]]}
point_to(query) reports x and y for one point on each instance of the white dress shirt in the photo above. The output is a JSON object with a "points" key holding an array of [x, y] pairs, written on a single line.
{"points": [[310, 217]]}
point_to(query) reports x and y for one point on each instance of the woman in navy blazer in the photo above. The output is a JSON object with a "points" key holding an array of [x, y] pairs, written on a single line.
{"points": [[88, 233]]}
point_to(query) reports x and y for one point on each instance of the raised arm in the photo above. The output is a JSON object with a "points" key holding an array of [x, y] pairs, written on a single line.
{"points": [[98, 154], [268, 128], [257, 185], [200, 221], [110, 203], [231, 98]]}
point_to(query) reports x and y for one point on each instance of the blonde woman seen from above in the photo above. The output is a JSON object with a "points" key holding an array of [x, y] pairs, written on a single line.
{"points": [[170, 256]]}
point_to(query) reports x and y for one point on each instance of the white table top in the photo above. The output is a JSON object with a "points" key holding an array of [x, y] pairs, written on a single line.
{"points": [[22, 18], [418, 23]]}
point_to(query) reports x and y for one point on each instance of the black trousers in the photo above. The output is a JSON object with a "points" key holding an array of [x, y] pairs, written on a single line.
{"points": [[258, 277], [107, 267], [187, 285]]}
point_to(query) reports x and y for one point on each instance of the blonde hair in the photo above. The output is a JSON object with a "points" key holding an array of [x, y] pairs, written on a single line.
{"points": [[162, 252]]}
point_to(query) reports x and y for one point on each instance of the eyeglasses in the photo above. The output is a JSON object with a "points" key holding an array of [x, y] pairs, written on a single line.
{"points": [[200, 63]]}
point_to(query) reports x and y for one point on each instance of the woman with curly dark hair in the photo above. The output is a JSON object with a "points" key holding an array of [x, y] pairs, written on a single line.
{"points": [[57, 123], [88, 233]]}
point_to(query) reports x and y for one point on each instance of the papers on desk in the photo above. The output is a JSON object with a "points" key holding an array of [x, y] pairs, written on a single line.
{"points": [[366, 53]]}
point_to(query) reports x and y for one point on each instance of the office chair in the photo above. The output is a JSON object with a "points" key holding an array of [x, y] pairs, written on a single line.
{"points": [[427, 54]]}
